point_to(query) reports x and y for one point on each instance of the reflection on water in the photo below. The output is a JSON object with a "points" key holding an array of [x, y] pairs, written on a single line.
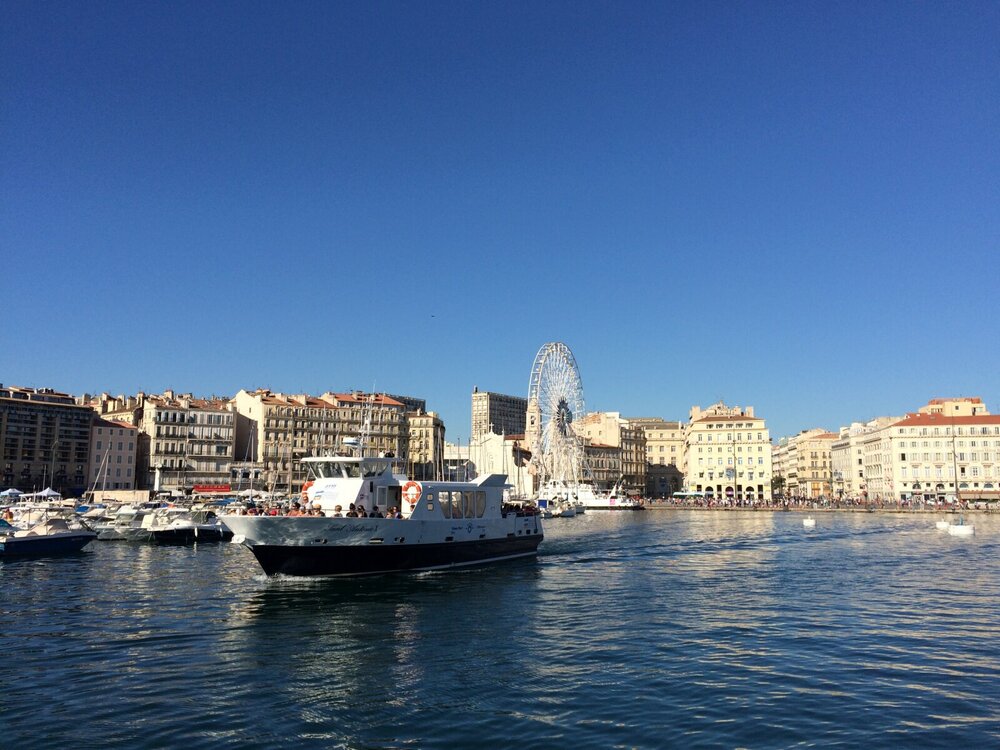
{"points": [[637, 629]]}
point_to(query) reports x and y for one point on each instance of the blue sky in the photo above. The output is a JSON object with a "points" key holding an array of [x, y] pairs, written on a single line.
{"points": [[789, 205]]}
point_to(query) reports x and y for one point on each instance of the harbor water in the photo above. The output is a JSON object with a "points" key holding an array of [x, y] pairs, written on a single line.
{"points": [[647, 629]]}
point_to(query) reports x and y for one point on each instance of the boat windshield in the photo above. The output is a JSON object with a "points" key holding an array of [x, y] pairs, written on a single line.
{"points": [[374, 468], [334, 469]]}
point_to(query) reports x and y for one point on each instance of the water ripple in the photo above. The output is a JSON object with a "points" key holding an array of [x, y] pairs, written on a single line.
{"points": [[630, 630]]}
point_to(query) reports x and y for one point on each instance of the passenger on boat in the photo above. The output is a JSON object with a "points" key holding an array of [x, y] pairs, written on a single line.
{"points": [[393, 513], [316, 510], [376, 513], [337, 512], [352, 512]]}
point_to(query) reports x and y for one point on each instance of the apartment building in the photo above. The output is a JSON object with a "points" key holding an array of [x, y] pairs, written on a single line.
{"points": [[727, 453], [815, 466], [44, 440], [938, 455], [425, 438], [604, 462], [847, 456], [497, 413], [114, 449], [664, 455], [275, 430], [610, 430], [185, 444]]}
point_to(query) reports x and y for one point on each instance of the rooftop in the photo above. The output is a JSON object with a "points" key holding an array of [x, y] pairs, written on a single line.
{"points": [[944, 420]]}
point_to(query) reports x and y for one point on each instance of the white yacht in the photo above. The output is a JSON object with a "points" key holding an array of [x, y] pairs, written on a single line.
{"points": [[408, 525], [584, 496]]}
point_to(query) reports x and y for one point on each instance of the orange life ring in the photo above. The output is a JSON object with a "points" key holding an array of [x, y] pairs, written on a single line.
{"points": [[305, 489], [412, 491]]}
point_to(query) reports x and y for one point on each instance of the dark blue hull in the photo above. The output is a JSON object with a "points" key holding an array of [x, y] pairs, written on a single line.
{"points": [[373, 559], [189, 536], [43, 546]]}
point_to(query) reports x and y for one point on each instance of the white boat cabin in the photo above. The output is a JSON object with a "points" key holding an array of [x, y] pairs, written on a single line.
{"points": [[371, 483]]}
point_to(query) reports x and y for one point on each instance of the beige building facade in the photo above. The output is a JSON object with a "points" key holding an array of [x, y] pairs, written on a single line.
{"points": [[274, 431], [805, 464], [814, 474], [185, 444], [847, 456], [425, 457], [604, 462], [937, 456], [955, 407], [610, 429], [664, 455], [728, 454], [114, 450], [498, 413]]}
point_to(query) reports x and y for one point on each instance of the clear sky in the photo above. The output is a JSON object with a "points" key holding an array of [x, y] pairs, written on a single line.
{"points": [[794, 206]]}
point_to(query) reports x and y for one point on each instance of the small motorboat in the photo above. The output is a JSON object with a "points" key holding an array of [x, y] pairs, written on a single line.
{"points": [[53, 536], [565, 510], [175, 525], [943, 525], [809, 522], [961, 528]]}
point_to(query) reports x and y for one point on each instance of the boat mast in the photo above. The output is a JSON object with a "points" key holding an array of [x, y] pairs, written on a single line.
{"points": [[366, 423], [100, 475]]}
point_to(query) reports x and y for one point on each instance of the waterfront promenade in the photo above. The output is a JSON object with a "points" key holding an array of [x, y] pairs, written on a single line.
{"points": [[820, 507]]}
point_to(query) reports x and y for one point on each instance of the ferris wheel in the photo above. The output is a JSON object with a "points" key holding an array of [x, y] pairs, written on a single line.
{"points": [[555, 399]]}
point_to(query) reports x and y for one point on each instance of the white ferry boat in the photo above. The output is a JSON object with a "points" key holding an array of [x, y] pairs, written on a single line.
{"points": [[425, 525]]}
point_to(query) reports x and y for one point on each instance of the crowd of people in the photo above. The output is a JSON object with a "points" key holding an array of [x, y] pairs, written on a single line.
{"points": [[796, 502], [296, 508]]}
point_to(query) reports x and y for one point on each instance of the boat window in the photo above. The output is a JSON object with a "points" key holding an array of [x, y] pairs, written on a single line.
{"points": [[480, 504], [350, 471], [468, 505], [456, 504], [444, 500]]}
